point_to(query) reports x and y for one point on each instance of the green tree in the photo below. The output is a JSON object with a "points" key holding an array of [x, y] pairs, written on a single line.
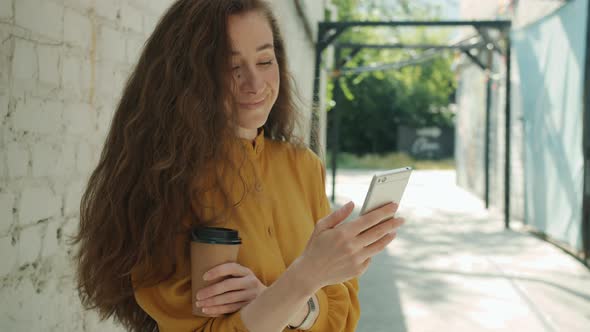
{"points": [[377, 103]]}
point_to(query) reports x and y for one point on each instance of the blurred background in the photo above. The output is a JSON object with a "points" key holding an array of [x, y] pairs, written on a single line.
{"points": [[488, 100]]}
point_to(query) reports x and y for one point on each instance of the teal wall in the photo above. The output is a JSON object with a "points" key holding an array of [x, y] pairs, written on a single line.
{"points": [[547, 83]]}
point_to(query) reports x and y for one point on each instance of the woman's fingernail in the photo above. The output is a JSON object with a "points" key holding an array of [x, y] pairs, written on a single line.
{"points": [[205, 276], [205, 310], [198, 303]]}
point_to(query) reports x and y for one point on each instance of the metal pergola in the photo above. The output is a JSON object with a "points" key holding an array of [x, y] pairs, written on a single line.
{"points": [[328, 33], [586, 149]]}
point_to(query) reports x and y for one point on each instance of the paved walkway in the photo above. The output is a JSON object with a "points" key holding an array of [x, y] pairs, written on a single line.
{"points": [[453, 267]]}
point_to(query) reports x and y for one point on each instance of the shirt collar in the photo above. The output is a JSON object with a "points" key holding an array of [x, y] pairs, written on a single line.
{"points": [[255, 146]]}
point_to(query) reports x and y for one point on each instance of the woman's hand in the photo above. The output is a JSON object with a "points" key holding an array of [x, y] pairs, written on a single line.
{"points": [[336, 254], [231, 294]]}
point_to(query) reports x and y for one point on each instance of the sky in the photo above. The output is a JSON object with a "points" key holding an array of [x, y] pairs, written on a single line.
{"points": [[450, 8]]}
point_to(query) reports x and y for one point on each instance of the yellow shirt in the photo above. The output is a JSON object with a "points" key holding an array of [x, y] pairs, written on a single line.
{"points": [[275, 222]]}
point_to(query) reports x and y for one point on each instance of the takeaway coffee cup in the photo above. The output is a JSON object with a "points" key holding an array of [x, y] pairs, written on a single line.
{"points": [[210, 246]]}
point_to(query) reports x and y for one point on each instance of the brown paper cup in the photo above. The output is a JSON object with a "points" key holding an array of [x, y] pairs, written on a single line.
{"points": [[210, 247]]}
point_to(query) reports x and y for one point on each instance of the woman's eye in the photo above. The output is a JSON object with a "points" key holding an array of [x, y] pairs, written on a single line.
{"points": [[267, 63], [235, 67]]}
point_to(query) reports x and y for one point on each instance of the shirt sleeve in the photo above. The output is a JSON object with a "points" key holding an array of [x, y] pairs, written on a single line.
{"points": [[169, 304], [339, 303]]}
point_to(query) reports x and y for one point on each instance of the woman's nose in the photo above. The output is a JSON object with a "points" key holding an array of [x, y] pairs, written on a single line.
{"points": [[252, 82]]}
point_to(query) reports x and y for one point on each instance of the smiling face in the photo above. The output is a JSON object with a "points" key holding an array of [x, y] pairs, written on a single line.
{"points": [[254, 69]]}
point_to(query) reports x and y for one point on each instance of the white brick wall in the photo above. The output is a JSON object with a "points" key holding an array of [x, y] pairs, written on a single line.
{"points": [[133, 49], [45, 157], [5, 9], [38, 203], [29, 244], [24, 63], [43, 17], [48, 60], [5, 55], [111, 45], [17, 158], [73, 196], [85, 158], [50, 242], [77, 29], [8, 255], [71, 70], [3, 106], [6, 214], [38, 116], [131, 18], [63, 64], [109, 9], [79, 119]]}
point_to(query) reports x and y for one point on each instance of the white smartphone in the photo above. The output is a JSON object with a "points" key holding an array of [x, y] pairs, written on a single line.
{"points": [[386, 187]]}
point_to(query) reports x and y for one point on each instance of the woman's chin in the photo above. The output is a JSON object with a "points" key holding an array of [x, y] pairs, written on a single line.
{"points": [[254, 119]]}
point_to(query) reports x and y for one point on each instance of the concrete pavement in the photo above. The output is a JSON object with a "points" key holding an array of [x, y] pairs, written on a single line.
{"points": [[453, 267]]}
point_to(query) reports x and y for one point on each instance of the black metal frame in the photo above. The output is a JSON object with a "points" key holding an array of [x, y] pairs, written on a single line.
{"points": [[337, 94], [508, 123], [406, 46], [329, 31], [475, 59], [487, 131], [586, 150]]}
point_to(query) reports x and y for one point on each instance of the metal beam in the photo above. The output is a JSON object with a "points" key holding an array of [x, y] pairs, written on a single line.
{"points": [[486, 37], [329, 31], [337, 110], [328, 35], [475, 60], [487, 131], [498, 24], [389, 66], [409, 46], [314, 136], [507, 138], [343, 62], [586, 149]]}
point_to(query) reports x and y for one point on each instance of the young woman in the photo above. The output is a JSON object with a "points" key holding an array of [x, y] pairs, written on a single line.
{"points": [[203, 135]]}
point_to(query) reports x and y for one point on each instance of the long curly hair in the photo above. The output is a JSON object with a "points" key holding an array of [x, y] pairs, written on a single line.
{"points": [[171, 122]]}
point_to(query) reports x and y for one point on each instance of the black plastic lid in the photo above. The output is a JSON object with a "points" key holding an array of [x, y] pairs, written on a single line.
{"points": [[215, 235]]}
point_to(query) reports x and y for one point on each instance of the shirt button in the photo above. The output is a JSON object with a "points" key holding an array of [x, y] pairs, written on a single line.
{"points": [[269, 230]]}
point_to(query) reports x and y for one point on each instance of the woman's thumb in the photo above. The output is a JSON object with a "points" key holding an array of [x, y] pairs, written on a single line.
{"points": [[335, 217]]}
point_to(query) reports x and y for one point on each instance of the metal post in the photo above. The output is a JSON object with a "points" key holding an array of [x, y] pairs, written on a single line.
{"points": [[498, 24], [507, 134], [586, 149], [315, 111], [487, 124], [336, 111]]}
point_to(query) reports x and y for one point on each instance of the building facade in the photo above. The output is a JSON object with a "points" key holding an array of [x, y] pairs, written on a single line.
{"points": [[549, 41]]}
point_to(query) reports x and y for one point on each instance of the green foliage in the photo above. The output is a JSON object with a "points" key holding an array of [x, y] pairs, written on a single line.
{"points": [[375, 103], [387, 161]]}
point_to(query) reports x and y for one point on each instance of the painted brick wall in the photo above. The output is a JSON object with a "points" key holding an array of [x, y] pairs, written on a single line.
{"points": [[62, 67]]}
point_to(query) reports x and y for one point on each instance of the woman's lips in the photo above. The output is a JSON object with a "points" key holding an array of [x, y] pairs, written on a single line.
{"points": [[254, 105]]}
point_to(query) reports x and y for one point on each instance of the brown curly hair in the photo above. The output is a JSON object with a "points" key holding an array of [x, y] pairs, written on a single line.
{"points": [[171, 122]]}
